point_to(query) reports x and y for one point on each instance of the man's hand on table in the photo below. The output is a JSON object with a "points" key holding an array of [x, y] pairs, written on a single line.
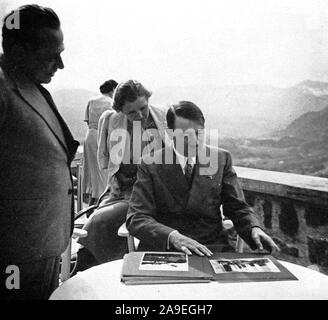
{"points": [[263, 241], [187, 245]]}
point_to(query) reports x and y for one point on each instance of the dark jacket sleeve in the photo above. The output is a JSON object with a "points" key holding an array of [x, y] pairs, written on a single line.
{"points": [[141, 218], [3, 106], [235, 206]]}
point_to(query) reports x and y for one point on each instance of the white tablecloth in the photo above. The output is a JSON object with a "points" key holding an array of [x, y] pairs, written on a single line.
{"points": [[103, 282]]}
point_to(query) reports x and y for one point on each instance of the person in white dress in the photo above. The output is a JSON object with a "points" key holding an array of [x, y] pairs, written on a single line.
{"points": [[94, 180]]}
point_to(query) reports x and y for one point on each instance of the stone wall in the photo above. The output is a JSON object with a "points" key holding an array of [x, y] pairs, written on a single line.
{"points": [[293, 209]]}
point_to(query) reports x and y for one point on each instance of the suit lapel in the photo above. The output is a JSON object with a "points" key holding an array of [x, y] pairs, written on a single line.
{"points": [[199, 188], [175, 181], [71, 143], [37, 104], [201, 184]]}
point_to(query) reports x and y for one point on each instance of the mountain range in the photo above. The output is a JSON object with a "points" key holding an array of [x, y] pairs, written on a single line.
{"points": [[300, 148], [309, 126], [255, 111], [250, 111], [282, 129]]}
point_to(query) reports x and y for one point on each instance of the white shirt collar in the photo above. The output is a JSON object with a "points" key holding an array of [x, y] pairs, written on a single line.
{"points": [[183, 160]]}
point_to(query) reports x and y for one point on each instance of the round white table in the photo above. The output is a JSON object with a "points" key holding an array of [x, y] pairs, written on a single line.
{"points": [[103, 283]]}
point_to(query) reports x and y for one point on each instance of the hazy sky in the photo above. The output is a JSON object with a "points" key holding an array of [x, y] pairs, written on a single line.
{"points": [[179, 43]]}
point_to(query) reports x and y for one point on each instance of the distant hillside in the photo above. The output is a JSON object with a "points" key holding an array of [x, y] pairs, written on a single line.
{"points": [[316, 88], [310, 126], [246, 116], [300, 148], [237, 111], [249, 111], [72, 104]]}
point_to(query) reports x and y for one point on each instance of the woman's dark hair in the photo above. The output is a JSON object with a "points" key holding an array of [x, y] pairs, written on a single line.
{"points": [[32, 18], [184, 109], [129, 91], [108, 86]]}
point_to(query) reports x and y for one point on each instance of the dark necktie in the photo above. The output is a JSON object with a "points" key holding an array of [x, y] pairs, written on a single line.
{"points": [[188, 172]]}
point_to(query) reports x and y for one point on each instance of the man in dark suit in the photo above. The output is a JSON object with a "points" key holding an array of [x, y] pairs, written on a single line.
{"points": [[176, 204], [36, 150]]}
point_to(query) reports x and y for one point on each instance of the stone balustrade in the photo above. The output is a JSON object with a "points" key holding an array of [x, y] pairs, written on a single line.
{"points": [[293, 209]]}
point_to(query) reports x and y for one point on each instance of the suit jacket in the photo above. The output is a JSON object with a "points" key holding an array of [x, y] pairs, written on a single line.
{"points": [[112, 120], [36, 190], [161, 202]]}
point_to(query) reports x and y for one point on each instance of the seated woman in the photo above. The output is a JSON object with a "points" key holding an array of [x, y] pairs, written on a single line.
{"points": [[121, 143]]}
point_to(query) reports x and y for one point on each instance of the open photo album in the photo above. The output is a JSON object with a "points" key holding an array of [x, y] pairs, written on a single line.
{"points": [[177, 267]]}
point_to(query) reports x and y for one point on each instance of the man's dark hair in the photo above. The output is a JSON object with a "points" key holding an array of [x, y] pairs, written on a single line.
{"points": [[129, 91], [32, 19], [184, 109], [108, 86]]}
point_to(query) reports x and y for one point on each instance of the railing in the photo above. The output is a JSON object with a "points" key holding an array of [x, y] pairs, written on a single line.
{"points": [[294, 211], [298, 187]]}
